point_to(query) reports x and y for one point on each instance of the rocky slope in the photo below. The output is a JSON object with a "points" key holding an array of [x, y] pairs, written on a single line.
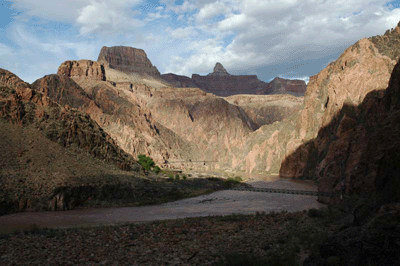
{"points": [[267, 109], [350, 121], [45, 146], [127, 59], [117, 110], [221, 83]]}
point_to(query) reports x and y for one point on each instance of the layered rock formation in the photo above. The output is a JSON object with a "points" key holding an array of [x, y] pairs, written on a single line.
{"points": [[82, 68], [128, 60], [221, 83]]}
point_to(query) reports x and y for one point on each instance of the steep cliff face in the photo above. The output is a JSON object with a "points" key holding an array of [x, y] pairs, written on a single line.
{"points": [[346, 126], [128, 60], [82, 68]]}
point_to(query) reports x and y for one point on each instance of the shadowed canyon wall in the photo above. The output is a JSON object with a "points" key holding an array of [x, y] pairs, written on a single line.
{"points": [[357, 148]]}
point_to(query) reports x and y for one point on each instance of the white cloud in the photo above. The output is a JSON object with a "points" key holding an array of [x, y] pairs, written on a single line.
{"points": [[244, 35], [211, 10], [106, 18], [92, 16], [271, 32]]}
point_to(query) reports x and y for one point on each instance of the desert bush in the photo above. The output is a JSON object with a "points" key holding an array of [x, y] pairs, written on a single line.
{"points": [[146, 162], [156, 169]]}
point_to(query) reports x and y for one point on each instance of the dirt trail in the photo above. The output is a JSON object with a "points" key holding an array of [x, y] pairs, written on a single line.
{"points": [[217, 203]]}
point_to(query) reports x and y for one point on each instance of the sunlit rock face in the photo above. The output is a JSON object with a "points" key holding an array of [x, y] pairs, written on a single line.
{"points": [[128, 60], [82, 68]]}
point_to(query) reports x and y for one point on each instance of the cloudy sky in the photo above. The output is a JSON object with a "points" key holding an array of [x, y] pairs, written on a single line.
{"points": [[269, 38]]}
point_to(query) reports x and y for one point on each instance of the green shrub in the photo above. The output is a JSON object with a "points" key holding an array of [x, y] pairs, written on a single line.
{"points": [[238, 178], [146, 162], [177, 177], [184, 177], [170, 176], [156, 169]]}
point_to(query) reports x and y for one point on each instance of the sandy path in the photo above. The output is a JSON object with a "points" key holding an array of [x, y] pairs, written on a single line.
{"points": [[217, 203]]}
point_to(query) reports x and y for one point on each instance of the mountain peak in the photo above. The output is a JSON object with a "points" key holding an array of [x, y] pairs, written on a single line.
{"points": [[220, 70]]}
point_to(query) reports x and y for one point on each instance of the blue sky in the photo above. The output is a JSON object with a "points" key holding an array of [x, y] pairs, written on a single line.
{"points": [[290, 39]]}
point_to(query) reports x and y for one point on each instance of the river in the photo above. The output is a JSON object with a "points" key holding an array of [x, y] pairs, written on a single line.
{"points": [[218, 203]]}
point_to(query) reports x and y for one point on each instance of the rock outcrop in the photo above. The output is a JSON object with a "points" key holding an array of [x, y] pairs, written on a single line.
{"points": [[219, 70], [82, 68], [128, 60]]}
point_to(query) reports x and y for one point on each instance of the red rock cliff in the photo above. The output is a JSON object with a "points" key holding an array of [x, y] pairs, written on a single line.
{"points": [[127, 59], [82, 68]]}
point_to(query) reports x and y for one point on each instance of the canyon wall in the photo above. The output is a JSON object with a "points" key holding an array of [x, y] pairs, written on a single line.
{"points": [[349, 122]]}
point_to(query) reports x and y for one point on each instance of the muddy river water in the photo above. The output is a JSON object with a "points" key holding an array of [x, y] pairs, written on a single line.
{"points": [[218, 203]]}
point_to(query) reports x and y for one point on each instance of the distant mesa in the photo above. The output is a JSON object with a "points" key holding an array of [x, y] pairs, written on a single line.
{"points": [[178, 80], [280, 85], [221, 83], [128, 60]]}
